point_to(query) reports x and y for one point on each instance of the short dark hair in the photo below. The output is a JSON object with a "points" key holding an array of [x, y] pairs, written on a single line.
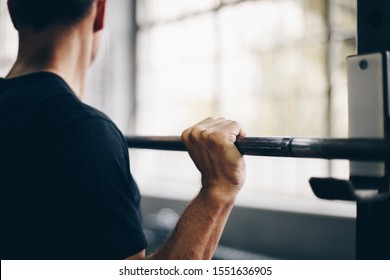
{"points": [[42, 13]]}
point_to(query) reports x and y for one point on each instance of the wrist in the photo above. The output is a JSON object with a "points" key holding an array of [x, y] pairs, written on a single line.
{"points": [[219, 193]]}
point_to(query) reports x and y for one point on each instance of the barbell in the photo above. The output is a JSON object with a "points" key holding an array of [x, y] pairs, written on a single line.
{"points": [[358, 149]]}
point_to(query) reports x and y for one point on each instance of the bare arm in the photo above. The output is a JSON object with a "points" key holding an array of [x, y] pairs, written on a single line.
{"points": [[211, 146]]}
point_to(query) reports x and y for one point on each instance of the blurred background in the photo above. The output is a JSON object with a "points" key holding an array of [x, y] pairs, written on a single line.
{"points": [[276, 66]]}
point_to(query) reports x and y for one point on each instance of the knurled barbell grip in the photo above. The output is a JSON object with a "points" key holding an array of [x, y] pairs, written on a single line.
{"points": [[321, 148]]}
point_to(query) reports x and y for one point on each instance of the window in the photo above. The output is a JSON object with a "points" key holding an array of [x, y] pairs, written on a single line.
{"points": [[278, 67]]}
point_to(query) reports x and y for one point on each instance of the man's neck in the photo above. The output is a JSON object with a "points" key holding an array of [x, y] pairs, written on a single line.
{"points": [[66, 53]]}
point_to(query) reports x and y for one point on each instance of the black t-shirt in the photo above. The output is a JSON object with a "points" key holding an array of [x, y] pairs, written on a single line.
{"points": [[66, 191]]}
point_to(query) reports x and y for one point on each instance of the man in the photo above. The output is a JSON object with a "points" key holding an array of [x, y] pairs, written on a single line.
{"points": [[66, 188]]}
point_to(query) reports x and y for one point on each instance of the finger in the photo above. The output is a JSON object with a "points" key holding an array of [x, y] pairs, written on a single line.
{"points": [[213, 133], [199, 133], [234, 130], [199, 155], [209, 122], [199, 127], [242, 133], [225, 132]]}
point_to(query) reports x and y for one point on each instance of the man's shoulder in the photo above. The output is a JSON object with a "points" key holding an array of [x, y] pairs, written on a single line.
{"points": [[48, 100], [43, 107]]}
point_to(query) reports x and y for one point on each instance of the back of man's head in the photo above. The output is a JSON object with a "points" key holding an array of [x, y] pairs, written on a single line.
{"points": [[40, 14]]}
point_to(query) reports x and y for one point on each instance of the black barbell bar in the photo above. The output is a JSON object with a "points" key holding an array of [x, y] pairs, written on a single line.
{"points": [[360, 149]]}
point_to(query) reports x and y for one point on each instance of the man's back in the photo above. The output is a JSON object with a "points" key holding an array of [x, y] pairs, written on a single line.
{"points": [[65, 188]]}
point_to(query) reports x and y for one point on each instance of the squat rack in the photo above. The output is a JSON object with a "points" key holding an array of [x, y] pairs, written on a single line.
{"points": [[373, 218]]}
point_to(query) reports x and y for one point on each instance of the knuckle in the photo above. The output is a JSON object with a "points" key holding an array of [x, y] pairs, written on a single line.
{"points": [[235, 123], [216, 138], [204, 134], [195, 135], [186, 134], [196, 131]]}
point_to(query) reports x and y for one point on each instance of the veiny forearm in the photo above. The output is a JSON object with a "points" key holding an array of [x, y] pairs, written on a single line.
{"points": [[198, 231], [210, 144]]}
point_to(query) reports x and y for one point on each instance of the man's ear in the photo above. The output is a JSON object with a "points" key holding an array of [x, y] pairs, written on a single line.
{"points": [[12, 14], [100, 15]]}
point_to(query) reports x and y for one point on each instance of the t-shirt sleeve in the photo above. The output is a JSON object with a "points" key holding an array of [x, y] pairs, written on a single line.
{"points": [[96, 178]]}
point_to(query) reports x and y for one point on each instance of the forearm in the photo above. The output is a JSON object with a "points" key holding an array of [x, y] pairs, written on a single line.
{"points": [[198, 231], [211, 146]]}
